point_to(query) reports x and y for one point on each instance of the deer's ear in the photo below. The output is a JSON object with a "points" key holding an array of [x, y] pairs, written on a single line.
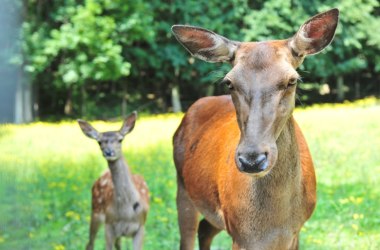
{"points": [[315, 34], [204, 44], [128, 124], [88, 130]]}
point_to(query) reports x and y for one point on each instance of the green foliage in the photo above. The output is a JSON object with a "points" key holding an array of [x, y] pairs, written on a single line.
{"points": [[353, 47], [83, 44], [164, 63], [97, 54], [87, 43], [352, 56], [47, 175]]}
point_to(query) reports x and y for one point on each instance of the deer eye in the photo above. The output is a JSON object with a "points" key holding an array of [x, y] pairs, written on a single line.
{"points": [[120, 140], [292, 82], [228, 83], [100, 143]]}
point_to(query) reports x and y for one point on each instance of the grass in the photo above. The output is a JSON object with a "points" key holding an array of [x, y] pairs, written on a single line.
{"points": [[46, 172]]}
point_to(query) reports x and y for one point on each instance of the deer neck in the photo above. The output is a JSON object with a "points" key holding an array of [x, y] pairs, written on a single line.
{"points": [[288, 162], [124, 189], [285, 177], [276, 198]]}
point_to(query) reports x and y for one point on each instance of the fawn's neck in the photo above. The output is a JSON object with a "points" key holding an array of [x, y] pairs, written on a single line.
{"points": [[124, 189]]}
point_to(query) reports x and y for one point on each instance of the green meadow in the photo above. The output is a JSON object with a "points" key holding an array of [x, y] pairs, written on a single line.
{"points": [[47, 170]]}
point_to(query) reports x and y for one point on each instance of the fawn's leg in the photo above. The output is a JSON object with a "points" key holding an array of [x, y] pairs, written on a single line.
{"points": [[96, 221], [110, 237], [295, 245], [138, 239], [117, 244]]}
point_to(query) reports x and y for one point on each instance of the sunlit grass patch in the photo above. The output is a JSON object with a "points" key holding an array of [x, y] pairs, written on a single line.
{"points": [[47, 169], [344, 141]]}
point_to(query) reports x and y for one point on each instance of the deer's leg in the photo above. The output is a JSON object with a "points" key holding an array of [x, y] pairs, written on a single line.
{"points": [[295, 245], [96, 221], [187, 218], [206, 232], [110, 236], [138, 239]]}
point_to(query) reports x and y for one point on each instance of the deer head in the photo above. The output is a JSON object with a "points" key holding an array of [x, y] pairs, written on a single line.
{"points": [[110, 142], [262, 81]]}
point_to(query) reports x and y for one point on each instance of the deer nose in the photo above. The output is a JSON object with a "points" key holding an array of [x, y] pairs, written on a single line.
{"points": [[254, 163], [108, 152]]}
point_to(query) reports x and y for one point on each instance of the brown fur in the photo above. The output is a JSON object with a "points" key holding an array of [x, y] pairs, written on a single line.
{"points": [[102, 191], [242, 160], [119, 199], [215, 184]]}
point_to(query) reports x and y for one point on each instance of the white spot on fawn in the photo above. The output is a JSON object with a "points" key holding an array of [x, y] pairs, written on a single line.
{"points": [[104, 182]]}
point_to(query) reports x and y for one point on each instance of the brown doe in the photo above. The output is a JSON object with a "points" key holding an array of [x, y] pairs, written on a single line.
{"points": [[242, 161], [119, 199]]}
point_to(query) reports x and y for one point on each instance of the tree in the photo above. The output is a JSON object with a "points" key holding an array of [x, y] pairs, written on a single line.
{"points": [[353, 50], [172, 68], [75, 47], [92, 57]]}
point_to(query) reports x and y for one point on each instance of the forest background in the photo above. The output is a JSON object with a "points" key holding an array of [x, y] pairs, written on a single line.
{"points": [[102, 58]]}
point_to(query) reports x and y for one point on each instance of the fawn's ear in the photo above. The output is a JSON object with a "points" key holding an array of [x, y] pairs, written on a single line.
{"points": [[128, 124], [88, 130], [315, 34], [204, 44]]}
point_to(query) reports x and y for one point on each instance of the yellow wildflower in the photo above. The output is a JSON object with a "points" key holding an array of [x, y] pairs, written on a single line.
{"points": [[357, 216], [59, 247]]}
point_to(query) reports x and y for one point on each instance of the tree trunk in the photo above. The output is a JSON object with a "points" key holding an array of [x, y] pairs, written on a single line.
{"points": [[340, 89], [23, 102], [124, 101], [68, 109], [84, 100], [357, 89], [36, 101], [210, 90], [176, 102]]}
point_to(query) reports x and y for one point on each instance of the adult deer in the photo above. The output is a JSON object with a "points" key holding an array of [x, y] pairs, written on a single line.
{"points": [[119, 199], [254, 177]]}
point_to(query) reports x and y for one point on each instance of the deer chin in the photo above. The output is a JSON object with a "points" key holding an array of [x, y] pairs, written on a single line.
{"points": [[111, 158], [256, 174], [260, 174]]}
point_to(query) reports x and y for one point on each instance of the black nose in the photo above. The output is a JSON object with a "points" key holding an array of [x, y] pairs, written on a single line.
{"points": [[253, 164], [108, 152]]}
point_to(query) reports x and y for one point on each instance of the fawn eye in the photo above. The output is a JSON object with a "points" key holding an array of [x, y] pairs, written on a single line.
{"points": [[120, 140], [228, 83], [100, 143]]}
